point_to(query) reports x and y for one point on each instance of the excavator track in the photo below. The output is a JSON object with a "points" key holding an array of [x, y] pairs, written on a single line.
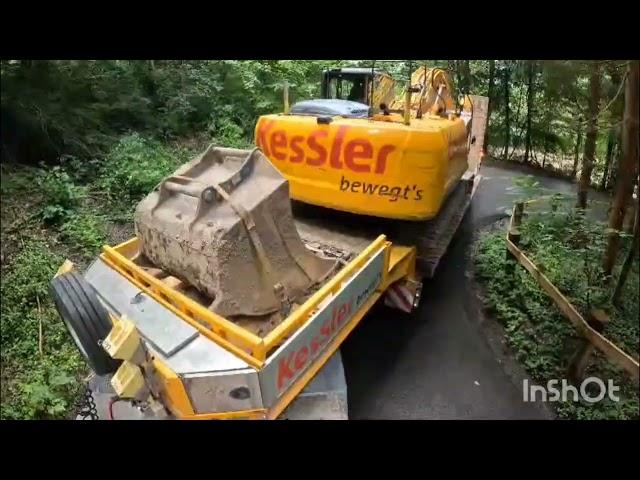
{"points": [[321, 228], [432, 238]]}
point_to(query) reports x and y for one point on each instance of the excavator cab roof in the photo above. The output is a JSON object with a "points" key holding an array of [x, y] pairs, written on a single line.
{"points": [[331, 107], [353, 71]]}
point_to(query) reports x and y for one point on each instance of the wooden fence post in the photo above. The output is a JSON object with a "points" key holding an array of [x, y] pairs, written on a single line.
{"points": [[597, 319], [513, 234]]}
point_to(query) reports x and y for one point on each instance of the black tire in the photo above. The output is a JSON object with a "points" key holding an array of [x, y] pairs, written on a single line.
{"points": [[86, 319]]}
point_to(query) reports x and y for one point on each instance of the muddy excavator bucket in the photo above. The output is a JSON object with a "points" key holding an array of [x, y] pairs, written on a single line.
{"points": [[223, 223]]}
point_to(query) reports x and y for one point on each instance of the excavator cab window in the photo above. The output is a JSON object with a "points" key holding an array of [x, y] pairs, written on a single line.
{"points": [[357, 92], [347, 86]]}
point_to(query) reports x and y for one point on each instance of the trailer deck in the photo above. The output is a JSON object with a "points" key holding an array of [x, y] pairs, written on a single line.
{"points": [[203, 366]]}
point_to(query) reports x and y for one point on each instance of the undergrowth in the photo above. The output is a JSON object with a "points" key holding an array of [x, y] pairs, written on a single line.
{"points": [[48, 215], [567, 247], [134, 167], [40, 366], [85, 231]]}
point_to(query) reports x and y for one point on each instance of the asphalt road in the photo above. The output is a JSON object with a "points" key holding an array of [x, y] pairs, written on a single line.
{"points": [[440, 363]]}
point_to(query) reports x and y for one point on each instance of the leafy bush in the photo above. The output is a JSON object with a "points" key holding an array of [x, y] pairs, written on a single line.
{"points": [[81, 171], [48, 391], [134, 167], [85, 231], [53, 108], [59, 194], [226, 133], [34, 385]]}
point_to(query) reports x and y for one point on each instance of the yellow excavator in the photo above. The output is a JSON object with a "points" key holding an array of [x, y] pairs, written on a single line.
{"points": [[249, 268], [409, 161]]}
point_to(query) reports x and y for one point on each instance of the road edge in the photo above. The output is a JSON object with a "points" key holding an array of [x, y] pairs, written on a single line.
{"points": [[492, 331]]}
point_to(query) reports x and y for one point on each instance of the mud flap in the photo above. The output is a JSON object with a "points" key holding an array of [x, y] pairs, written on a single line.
{"points": [[404, 295]]}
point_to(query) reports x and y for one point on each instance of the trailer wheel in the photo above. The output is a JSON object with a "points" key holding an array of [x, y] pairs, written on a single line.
{"points": [[86, 319]]}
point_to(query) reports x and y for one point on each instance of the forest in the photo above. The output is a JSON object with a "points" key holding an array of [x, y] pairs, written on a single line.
{"points": [[83, 141]]}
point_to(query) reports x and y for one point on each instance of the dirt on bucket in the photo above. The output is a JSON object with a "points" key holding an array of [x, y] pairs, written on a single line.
{"points": [[223, 224]]}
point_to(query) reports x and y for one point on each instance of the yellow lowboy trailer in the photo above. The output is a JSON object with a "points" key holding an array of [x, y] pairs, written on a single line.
{"points": [[178, 355]]}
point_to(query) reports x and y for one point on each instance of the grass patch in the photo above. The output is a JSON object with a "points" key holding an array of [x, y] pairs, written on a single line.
{"points": [[59, 195]]}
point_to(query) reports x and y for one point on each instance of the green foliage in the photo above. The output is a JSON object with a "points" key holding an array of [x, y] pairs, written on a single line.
{"points": [[16, 179], [35, 386], [45, 385], [226, 133], [28, 278], [85, 231], [81, 171], [60, 194], [558, 109], [567, 247], [134, 167], [46, 392], [80, 108]]}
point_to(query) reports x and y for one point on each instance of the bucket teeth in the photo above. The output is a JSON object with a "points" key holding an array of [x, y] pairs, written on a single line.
{"points": [[223, 223]]}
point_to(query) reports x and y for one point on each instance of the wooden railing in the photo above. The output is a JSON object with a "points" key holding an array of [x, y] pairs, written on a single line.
{"points": [[589, 329]]}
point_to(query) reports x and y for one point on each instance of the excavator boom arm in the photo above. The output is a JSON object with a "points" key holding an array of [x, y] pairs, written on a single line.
{"points": [[431, 92]]}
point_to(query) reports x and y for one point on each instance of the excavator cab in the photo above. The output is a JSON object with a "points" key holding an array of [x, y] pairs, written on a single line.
{"points": [[362, 85]]}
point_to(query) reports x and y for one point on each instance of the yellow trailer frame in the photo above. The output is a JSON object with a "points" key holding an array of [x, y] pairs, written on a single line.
{"points": [[398, 266]]}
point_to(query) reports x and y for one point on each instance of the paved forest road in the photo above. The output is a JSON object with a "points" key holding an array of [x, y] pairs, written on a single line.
{"points": [[439, 364]]}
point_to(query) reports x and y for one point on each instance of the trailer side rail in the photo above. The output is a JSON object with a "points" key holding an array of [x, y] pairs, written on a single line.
{"points": [[246, 345]]}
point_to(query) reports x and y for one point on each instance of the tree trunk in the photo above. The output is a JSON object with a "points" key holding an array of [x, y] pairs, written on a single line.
{"points": [[545, 148], [626, 266], [614, 169], [507, 124], [492, 71], [626, 169], [527, 147], [547, 132], [592, 134], [576, 153], [607, 160], [465, 76], [615, 134], [453, 67]]}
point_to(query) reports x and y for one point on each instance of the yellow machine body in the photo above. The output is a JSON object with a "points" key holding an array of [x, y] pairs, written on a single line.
{"points": [[372, 167], [378, 166]]}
